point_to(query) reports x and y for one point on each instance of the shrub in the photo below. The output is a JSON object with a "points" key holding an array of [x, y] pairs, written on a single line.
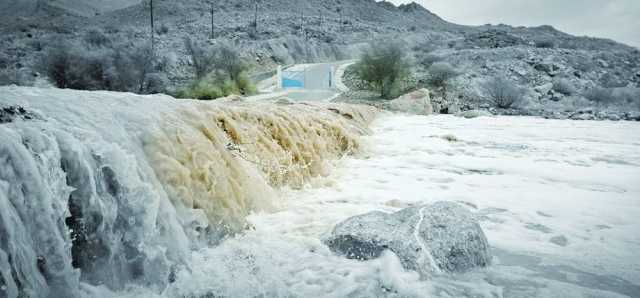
{"points": [[429, 59], [217, 85], [96, 37], [502, 92], [440, 74], [162, 30], [120, 68], [9, 77], [227, 59], [382, 66], [201, 58], [624, 95], [219, 71], [600, 94], [564, 86], [130, 69], [57, 64], [546, 43]]}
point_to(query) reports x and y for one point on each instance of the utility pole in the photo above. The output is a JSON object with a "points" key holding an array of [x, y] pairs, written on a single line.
{"points": [[213, 32], [255, 19], [153, 43], [302, 22]]}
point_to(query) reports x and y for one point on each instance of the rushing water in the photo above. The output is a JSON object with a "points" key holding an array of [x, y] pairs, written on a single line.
{"points": [[105, 196], [558, 200], [103, 191]]}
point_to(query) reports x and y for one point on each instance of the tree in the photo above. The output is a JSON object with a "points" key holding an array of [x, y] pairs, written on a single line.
{"points": [[229, 61], [382, 66], [440, 75], [201, 58]]}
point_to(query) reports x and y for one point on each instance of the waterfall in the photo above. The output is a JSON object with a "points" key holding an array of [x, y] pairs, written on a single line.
{"points": [[104, 189]]}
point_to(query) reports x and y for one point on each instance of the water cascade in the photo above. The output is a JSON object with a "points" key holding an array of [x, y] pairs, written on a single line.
{"points": [[105, 190]]}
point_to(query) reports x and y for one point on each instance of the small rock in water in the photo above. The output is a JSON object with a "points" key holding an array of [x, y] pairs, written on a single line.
{"points": [[450, 138], [11, 113], [543, 214], [473, 114], [559, 240], [442, 237], [538, 227]]}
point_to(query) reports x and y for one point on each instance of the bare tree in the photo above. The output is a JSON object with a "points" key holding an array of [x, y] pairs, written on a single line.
{"points": [[202, 58], [502, 92], [440, 75]]}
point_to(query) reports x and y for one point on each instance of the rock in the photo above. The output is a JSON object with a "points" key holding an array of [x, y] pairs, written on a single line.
{"points": [[442, 237], [556, 96], [559, 240], [450, 138], [603, 63], [417, 102], [543, 67], [11, 113], [473, 114], [284, 101], [544, 89], [235, 97], [582, 116], [231, 98], [613, 117], [633, 116]]}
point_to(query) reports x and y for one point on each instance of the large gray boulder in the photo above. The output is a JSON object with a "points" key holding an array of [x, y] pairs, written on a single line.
{"points": [[442, 237], [417, 103]]}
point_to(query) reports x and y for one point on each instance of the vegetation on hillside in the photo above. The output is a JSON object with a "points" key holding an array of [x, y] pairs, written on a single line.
{"points": [[218, 71], [383, 66]]}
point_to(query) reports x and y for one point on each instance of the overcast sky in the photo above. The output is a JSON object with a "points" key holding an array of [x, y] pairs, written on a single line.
{"points": [[615, 19]]}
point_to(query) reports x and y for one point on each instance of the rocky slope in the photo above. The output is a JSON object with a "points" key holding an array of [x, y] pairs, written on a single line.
{"points": [[595, 74], [310, 30]]}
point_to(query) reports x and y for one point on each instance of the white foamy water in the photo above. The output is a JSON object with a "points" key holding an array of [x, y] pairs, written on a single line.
{"points": [[114, 195], [558, 200]]}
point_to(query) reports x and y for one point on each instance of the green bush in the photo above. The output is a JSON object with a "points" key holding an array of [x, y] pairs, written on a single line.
{"points": [[218, 71], [216, 85], [383, 66]]}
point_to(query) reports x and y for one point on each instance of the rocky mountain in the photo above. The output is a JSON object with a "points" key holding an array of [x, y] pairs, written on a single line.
{"points": [[319, 30]]}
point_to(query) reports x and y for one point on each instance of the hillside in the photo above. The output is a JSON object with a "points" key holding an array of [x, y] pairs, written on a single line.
{"points": [[307, 31]]}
